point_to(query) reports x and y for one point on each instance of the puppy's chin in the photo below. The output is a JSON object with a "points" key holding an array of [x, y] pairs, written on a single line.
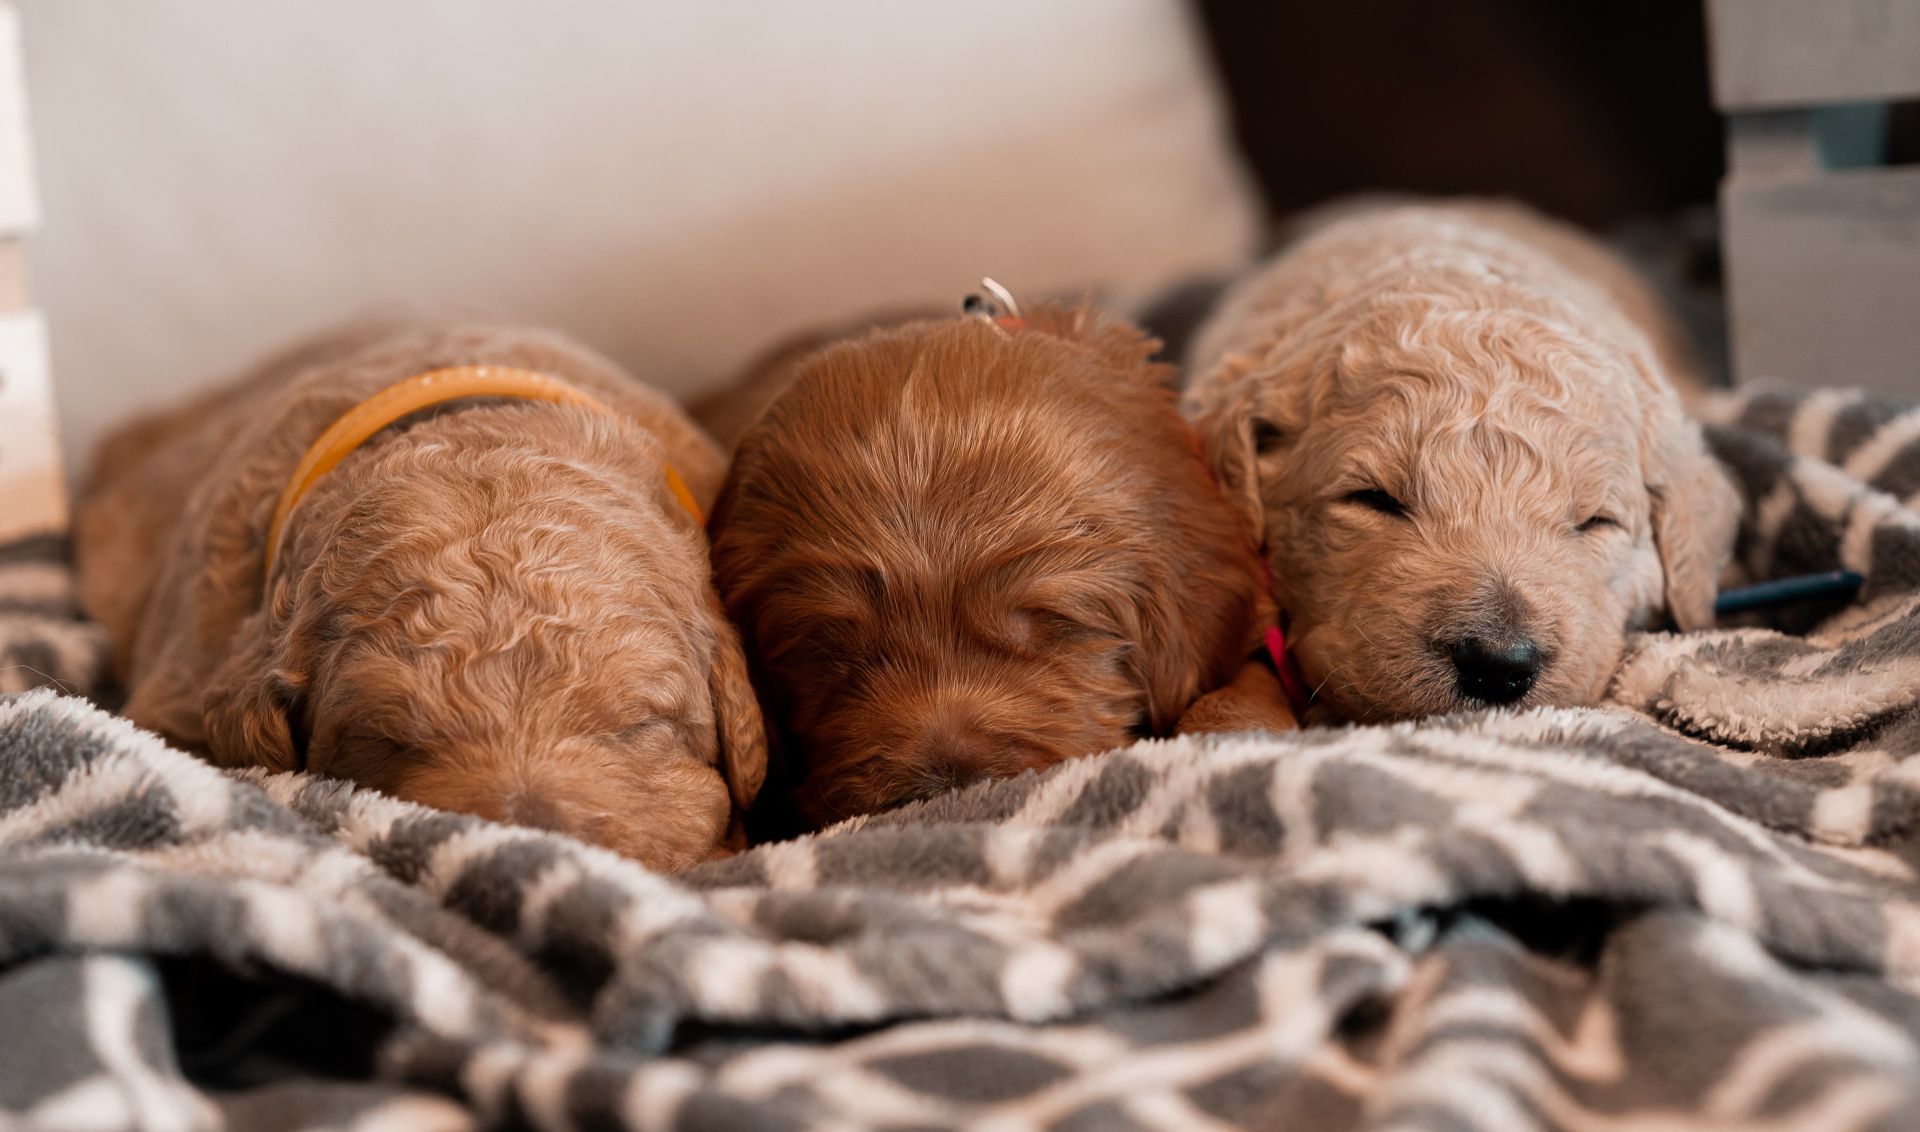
{"points": [[868, 754], [855, 784], [667, 819]]}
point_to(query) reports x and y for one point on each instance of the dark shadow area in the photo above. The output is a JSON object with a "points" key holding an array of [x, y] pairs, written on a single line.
{"points": [[233, 1032], [1594, 112]]}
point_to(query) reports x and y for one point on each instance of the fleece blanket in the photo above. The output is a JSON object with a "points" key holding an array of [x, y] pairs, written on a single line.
{"points": [[1693, 907]]}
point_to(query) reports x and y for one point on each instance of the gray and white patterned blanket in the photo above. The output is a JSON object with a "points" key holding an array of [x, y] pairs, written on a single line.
{"points": [[1694, 908]]}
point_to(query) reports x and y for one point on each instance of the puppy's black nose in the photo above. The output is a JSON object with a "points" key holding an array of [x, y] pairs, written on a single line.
{"points": [[1495, 673]]}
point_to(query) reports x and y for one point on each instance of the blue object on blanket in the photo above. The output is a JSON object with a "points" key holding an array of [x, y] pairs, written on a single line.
{"points": [[1833, 583]]}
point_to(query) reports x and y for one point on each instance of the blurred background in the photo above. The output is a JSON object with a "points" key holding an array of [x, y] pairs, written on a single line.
{"points": [[681, 182], [1600, 113], [677, 182]]}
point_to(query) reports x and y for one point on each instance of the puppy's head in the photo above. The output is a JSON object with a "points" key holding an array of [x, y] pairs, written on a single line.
{"points": [[508, 615], [1467, 505], [957, 550]]}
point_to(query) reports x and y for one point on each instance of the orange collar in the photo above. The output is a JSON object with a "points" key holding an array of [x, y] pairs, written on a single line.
{"points": [[423, 391]]}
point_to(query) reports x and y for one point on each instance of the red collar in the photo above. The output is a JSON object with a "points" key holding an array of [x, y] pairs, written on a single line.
{"points": [[1292, 680]]}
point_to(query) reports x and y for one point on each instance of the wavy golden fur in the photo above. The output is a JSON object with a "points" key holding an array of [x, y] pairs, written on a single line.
{"points": [[496, 607], [1456, 431], [957, 551]]}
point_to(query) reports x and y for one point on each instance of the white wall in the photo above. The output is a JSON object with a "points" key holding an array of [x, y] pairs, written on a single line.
{"points": [[677, 182]]}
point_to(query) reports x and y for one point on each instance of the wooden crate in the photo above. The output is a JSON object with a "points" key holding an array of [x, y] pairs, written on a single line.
{"points": [[1822, 241], [1774, 54], [32, 484]]}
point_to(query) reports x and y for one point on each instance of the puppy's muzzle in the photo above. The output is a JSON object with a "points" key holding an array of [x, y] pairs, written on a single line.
{"points": [[955, 749], [950, 757], [1495, 672]]}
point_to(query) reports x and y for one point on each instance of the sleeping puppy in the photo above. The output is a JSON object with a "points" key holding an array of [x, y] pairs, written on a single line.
{"points": [[962, 548], [496, 605], [1455, 430]]}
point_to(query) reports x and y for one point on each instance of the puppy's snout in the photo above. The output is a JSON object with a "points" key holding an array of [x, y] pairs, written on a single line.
{"points": [[948, 774], [1495, 672], [952, 757]]}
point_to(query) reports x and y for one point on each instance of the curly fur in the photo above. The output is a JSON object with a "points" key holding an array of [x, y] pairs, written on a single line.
{"points": [[1506, 380], [956, 551], [495, 607]]}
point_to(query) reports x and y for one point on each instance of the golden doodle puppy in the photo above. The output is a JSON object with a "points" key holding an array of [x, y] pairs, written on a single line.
{"points": [[499, 603], [1456, 431], [962, 548]]}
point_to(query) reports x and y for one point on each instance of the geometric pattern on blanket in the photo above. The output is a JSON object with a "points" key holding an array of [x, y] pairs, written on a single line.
{"points": [[44, 641], [1694, 907]]}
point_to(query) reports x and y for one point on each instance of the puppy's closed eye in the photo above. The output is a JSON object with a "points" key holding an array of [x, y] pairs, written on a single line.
{"points": [[824, 638], [1373, 499], [652, 729], [1052, 628], [1599, 522]]}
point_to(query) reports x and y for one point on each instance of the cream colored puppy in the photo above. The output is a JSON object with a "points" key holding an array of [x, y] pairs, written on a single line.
{"points": [[1456, 431]]}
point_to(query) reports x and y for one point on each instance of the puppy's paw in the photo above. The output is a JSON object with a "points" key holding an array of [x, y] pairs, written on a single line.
{"points": [[1253, 701]]}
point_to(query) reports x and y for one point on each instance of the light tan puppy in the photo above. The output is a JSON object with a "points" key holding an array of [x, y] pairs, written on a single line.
{"points": [[1455, 430], [495, 606]]}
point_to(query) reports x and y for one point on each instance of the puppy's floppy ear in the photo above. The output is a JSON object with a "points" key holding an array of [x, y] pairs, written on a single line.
{"points": [[736, 711], [1696, 514], [250, 705], [1234, 435], [1191, 629], [1167, 664], [1196, 617]]}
